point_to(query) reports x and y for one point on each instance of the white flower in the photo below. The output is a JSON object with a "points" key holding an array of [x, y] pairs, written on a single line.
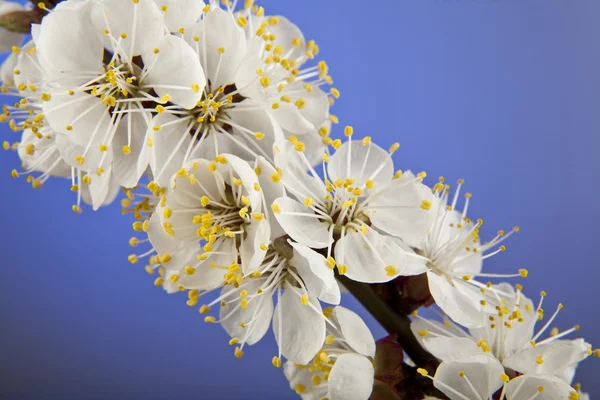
{"points": [[360, 205], [252, 63], [453, 257], [210, 231], [41, 149], [343, 369], [104, 61], [482, 378], [9, 39], [510, 337]]}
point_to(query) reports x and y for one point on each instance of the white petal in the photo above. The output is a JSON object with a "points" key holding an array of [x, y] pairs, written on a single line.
{"points": [[176, 64], [483, 372], [354, 331], [527, 386], [169, 145], [129, 168], [463, 310], [242, 170], [286, 32], [302, 330], [301, 184], [254, 121], [303, 377], [188, 195], [28, 66], [351, 378], [85, 113], [303, 228], [142, 21], [259, 311], [451, 348], [218, 29], [44, 157], [318, 278], [68, 43], [69, 152], [359, 162], [258, 236], [7, 70], [291, 120], [181, 13], [100, 188], [160, 240], [371, 256], [396, 209], [207, 277], [271, 191], [557, 355]]}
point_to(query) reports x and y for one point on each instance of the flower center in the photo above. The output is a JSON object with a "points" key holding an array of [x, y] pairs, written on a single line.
{"points": [[210, 112]]}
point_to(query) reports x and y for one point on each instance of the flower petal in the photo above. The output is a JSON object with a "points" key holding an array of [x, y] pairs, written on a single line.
{"points": [[463, 310], [129, 168], [299, 329], [258, 237], [272, 189], [181, 14], [246, 123], [166, 155], [217, 31], [318, 278], [556, 356], [372, 257], [175, 64], [142, 22], [84, 113], [68, 43], [357, 161], [482, 372], [354, 331], [299, 222], [528, 386], [351, 378], [259, 310], [396, 209]]}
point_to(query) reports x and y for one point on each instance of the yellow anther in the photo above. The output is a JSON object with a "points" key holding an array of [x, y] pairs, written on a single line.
{"points": [[276, 361], [524, 273], [342, 269], [348, 131], [422, 371], [423, 333], [258, 216], [391, 270], [304, 299], [275, 209], [394, 147], [210, 320], [426, 205], [539, 359], [259, 135], [159, 281], [238, 353]]}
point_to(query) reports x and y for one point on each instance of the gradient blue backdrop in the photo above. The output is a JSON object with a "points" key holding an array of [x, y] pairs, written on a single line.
{"points": [[502, 93]]}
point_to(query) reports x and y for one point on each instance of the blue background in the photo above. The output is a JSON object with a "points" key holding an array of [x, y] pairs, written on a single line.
{"points": [[502, 93]]}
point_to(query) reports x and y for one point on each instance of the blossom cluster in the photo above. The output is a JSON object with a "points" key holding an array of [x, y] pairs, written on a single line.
{"points": [[214, 120]]}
